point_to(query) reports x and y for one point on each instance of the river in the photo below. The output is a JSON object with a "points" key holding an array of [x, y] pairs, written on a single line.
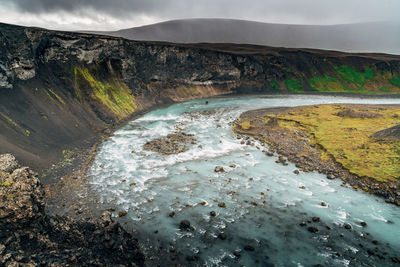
{"points": [[264, 201]]}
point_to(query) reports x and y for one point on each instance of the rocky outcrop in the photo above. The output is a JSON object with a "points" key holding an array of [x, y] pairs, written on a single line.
{"points": [[8, 163], [357, 114], [30, 237], [392, 133], [60, 90]]}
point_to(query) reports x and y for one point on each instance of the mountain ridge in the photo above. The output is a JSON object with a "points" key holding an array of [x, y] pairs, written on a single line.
{"points": [[376, 37]]}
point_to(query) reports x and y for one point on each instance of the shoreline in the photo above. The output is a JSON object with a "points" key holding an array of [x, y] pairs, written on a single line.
{"points": [[292, 141]]}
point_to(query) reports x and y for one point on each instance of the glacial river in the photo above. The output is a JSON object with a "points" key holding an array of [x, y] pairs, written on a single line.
{"points": [[264, 201]]}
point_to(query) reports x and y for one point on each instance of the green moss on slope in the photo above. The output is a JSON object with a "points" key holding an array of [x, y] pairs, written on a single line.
{"points": [[9, 121], [395, 81], [326, 84], [115, 95], [347, 79], [352, 76], [57, 97], [274, 85], [294, 85]]}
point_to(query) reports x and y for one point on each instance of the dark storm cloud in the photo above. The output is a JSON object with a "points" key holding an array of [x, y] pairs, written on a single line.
{"points": [[107, 6], [364, 10], [128, 13]]}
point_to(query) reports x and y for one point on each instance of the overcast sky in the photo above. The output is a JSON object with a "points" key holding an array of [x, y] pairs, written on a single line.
{"points": [[118, 14]]}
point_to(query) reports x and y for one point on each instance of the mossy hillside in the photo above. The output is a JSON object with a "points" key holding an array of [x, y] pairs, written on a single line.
{"points": [[326, 84], [113, 94], [354, 77], [395, 81], [294, 85], [347, 79], [348, 140]]}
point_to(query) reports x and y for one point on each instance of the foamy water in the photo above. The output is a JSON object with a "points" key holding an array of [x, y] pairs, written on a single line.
{"points": [[264, 200]]}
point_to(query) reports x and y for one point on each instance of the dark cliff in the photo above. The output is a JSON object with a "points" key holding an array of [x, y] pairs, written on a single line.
{"points": [[61, 90], [31, 237]]}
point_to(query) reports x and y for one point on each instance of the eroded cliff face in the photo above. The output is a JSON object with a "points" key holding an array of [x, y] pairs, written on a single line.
{"points": [[61, 90], [26, 230]]}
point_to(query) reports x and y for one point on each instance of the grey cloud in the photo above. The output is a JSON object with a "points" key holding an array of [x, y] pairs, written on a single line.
{"points": [[278, 11], [108, 6]]}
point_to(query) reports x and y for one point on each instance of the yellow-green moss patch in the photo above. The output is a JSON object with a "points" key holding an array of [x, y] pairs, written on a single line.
{"points": [[294, 85], [57, 97], [114, 94], [246, 125], [326, 84], [7, 183], [348, 140], [9, 121]]}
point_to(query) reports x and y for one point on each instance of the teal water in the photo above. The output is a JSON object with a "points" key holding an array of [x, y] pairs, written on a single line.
{"points": [[264, 201]]}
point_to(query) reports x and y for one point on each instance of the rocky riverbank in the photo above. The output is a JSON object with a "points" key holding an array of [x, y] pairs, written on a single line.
{"points": [[298, 135], [30, 237]]}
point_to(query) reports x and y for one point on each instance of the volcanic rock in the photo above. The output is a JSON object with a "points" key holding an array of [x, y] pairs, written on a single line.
{"points": [[35, 238]]}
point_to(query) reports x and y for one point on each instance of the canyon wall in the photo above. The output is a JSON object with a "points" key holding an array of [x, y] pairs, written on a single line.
{"points": [[60, 90]]}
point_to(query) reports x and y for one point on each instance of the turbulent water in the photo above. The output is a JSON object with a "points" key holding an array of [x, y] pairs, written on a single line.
{"points": [[265, 201]]}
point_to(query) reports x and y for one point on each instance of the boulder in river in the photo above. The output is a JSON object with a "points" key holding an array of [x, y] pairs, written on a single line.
{"points": [[222, 205], [303, 223], [249, 248], [312, 229], [171, 214], [316, 219], [222, 236], [330, 176], [184, 225], [347, 226], [122, 213], [219, 169], [237, 253]]}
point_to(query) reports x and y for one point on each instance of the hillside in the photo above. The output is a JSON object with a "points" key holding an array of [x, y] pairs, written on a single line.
{"points": [[382, 37], [62, 91]]}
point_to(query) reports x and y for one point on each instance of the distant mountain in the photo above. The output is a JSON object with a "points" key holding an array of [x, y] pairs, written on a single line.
{"points": [[381, 37]]}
